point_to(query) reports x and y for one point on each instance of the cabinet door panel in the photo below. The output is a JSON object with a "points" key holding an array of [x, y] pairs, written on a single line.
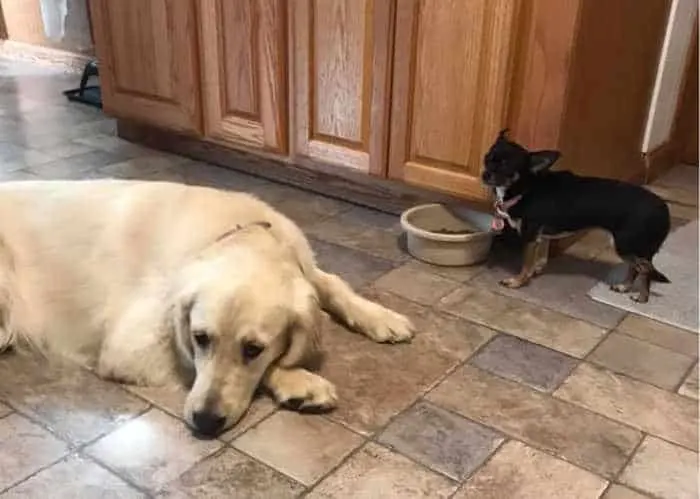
{"points": [[147, 54], [452, 70], [341, 77], [244, 72]]}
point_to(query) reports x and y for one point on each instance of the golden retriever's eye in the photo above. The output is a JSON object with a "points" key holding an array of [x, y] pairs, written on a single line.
{"points": [[202, 339], [251, 350]]}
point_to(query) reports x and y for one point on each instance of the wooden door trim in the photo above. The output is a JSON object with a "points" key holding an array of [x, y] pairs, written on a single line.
{"points": [[499, 37], [183, 112], [266, 127], [369, 154]]}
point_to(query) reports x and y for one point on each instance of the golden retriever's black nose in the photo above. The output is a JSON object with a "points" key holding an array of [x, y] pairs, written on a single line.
{"points": [[207, 423]]}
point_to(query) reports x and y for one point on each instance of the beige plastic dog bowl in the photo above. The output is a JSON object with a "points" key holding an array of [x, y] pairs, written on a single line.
{"points": [[436, 235]]}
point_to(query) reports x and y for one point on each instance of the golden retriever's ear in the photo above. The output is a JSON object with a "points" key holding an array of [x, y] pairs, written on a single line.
{"points": [[179, 323], [304, 339]]}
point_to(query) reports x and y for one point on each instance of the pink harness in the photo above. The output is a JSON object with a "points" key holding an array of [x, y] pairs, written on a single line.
{"points": [[501, 215]]}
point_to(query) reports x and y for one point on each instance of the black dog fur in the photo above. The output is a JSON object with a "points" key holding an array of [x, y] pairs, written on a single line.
{"points": [[554, 203]]}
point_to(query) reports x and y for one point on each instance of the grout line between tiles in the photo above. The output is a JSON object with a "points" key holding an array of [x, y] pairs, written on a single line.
{"points": [[684, 378], [486, 461]]}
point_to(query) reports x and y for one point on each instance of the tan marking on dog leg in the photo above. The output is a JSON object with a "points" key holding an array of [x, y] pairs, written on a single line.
{"points": [[541, 256], [643, 268], [300, 389], [527, 270]]}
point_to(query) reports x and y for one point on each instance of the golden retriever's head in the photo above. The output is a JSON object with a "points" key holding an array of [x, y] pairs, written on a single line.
{"points": [[242, 306]]}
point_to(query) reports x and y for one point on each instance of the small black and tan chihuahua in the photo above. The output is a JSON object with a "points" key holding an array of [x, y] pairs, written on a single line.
{"points": [[542, 205]]}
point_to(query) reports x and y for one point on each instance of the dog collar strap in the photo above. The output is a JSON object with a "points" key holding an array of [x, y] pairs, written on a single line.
{"points": [[501, 215], [264, 225]]}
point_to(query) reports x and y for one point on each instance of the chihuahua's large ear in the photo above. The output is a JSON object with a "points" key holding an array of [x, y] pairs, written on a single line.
{"points": [[543, 160]]}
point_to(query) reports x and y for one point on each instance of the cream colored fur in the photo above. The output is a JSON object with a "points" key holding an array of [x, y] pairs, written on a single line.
{"points": [[119, 275]]}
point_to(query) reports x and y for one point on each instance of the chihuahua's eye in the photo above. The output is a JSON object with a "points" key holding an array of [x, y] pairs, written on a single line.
{"points": [[202, 339], [251, 350]]}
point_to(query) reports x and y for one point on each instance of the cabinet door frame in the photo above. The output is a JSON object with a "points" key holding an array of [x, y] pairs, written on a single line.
{"points": [[370, 154], [500, 34], [266, 126], [183, 112]]}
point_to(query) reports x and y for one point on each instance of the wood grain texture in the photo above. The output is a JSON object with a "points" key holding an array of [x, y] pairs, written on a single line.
{"points": [[341, 78], [453, 63], [148, 61], [610, 85], [244, 65], [546, 41]]}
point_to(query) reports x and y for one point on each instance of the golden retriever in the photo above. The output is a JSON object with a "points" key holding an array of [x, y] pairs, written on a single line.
{"points": [[147, 282]]}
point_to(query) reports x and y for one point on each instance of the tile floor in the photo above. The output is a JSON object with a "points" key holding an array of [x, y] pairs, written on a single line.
{"points": [[534, 393]]}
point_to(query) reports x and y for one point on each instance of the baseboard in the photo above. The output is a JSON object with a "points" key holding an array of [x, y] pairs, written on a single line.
{"points": [[358, 188], [660, 160]]}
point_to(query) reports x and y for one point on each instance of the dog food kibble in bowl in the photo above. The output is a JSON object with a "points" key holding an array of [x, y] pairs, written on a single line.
{"points": [[436, 235]]}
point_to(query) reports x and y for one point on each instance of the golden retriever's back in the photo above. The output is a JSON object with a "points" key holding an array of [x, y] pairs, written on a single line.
{"points": [[98, 241]]}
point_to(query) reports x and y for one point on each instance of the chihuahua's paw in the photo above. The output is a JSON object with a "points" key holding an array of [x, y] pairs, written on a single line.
{"points": [[513, 282], [639, 298]]}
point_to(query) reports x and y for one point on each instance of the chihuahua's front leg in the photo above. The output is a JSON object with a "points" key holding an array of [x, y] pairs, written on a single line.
{"points": [[528, 269], [541, 255]]}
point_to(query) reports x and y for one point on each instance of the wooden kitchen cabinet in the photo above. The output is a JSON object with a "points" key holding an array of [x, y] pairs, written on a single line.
{"points": [[147, 51], [335, 92], [451, 82], [243, 56], [341, 71]]}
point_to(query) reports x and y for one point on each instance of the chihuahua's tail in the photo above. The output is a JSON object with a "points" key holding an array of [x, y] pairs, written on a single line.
{"points": [[657, 276]]}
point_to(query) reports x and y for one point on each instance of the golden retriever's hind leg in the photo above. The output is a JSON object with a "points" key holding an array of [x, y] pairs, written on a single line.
{"points": [[300, 390], [369, 318]]}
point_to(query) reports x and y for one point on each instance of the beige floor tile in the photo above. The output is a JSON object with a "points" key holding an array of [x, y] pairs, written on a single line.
{"points": [[151, 450], [579, 436], [459, 274], [74, 478], [231, 474], [683, 212], [663, 470], [621, 492], [74, 403], [634, 403], [518, 318], [641, 360], [304, 447], [676, 195], [377, 473], [25, 448], [356, 267], [416, 285], [305, 208], [376, 381], [658, 333], [689, 388], [519, 471], [374, 240]]}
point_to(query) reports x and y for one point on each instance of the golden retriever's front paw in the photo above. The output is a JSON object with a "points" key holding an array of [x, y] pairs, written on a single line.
{"points": [[304, 391], [387, 326]]}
